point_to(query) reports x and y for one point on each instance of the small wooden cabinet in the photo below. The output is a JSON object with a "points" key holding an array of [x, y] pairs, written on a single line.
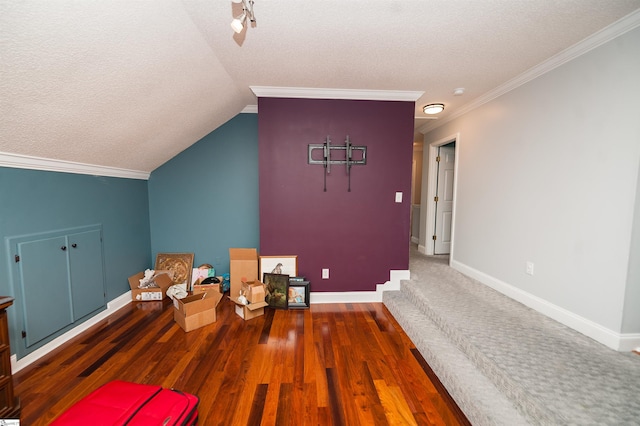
{"points": [[9, 403]]}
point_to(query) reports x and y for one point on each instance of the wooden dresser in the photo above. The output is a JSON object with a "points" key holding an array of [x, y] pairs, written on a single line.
{"points": [[9, 403]]}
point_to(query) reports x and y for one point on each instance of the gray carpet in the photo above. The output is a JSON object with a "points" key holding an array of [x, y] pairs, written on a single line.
{"points": [[506, 364]]}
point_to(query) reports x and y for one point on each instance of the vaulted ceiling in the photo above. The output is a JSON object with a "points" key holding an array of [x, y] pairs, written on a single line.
{"points": [[130, 84]]}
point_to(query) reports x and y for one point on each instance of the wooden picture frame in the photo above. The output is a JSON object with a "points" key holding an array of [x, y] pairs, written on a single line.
{"points": [[287, 265], [298, 295], [276, 290], [181, 264]]}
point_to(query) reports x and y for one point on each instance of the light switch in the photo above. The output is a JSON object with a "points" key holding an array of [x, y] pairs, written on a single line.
{"points": [[398, 197]]}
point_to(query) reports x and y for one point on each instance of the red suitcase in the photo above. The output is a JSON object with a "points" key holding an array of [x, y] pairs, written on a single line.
{"points": [[133, 404]]}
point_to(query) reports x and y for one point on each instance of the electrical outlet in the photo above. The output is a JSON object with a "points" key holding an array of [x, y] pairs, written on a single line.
{"points": [[529, 269], [325, 274]]}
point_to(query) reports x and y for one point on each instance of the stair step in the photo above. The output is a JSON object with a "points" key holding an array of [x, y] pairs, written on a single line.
{"points": [[475, 394], [546, 372]]}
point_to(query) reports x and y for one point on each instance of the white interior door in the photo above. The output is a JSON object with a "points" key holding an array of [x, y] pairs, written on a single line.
{"points": [[444, 200]]}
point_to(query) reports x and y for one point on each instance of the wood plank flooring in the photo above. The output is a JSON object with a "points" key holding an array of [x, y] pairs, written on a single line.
{"points": [[334, 364]]}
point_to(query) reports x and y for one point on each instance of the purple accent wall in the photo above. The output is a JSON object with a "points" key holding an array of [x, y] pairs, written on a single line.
{"points": [[359, 235]]}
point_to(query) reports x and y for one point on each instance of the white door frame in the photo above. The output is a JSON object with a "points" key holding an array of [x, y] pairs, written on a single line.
{"points": [[431, 184]]}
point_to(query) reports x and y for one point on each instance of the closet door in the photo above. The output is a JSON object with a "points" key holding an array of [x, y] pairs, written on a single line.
{"points": [[86, 272], [44, 278]]}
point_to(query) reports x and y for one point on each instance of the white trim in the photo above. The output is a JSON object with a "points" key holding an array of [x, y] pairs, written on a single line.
{"points": [[431, 184], [314, 93], [610, 338], [18, 161], [318, 297], [250, 109], [629, 342], [112, 307], [595, 40], [395, 277]]}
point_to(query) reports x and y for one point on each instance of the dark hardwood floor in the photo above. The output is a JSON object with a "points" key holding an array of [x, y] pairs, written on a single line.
{"points": [[340, 364]]}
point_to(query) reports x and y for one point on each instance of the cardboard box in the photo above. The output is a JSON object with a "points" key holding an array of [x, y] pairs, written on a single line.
{"points": [[254, 291], [200, 274], [198, 287], [251, 310], [197, 310], [162, 278], [243, 263]]}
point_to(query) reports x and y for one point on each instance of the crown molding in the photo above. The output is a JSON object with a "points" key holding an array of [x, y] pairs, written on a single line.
{"points": [[595, 40], [18, 161], [350, 94], [250, 109]]}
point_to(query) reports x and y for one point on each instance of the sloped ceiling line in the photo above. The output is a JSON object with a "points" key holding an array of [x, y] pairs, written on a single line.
{"points": [[605, 35]]}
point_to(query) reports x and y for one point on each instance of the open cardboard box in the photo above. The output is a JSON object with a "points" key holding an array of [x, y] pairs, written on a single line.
{"points": [[197, 310], [252, 310], [164, 280], [255, 294]]}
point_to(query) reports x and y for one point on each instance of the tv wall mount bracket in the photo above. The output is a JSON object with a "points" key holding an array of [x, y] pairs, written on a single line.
{"points": [[346, 156]]}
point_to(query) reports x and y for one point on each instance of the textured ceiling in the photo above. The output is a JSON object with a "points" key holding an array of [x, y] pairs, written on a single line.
{"points": [[129, 84]]}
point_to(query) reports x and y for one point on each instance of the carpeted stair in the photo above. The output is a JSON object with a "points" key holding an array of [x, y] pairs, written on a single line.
{"points": [[506, 364]]}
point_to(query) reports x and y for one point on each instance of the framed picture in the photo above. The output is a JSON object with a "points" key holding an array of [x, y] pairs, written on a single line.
{"points": [[276, 290], [298, 295], [286, 265], [181, 264]]}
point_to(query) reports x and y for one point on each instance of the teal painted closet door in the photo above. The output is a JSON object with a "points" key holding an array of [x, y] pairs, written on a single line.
{"points": [[44, 278], [87, 276]]}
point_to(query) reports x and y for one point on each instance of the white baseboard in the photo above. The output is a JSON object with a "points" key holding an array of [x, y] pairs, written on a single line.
{"points": [[113, 306], [629, 342], [395, 277], [610, 338]]}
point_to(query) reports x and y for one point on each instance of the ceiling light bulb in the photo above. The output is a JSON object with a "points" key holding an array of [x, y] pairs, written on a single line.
{"points": [[238, 23], [433, 108]]}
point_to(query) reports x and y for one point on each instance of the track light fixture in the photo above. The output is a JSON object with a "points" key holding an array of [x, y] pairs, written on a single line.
{"points": [[433, 108], [247, 12]]}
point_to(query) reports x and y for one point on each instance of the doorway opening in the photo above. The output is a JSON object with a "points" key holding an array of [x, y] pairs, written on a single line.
{"points": [[440, 200]]}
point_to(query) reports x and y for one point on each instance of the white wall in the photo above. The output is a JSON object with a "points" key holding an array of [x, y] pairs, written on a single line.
{"points": [[547, 173], [631, 319]]}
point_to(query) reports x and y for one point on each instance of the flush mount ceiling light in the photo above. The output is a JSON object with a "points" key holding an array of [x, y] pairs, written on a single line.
{"points": [[247, 12], [433, 108]]}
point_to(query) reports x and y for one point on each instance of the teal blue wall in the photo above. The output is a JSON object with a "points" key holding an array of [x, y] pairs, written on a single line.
{"points": [[34, 201], [205, 200]]}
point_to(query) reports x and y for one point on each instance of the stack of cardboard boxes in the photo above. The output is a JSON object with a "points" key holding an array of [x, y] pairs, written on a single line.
{"points": [[199, 308], [244, 280], [253, 292], [190, 313]]}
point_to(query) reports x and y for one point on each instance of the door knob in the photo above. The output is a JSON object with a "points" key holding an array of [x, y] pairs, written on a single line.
{"points": [[74, 245], [63, 248]]}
